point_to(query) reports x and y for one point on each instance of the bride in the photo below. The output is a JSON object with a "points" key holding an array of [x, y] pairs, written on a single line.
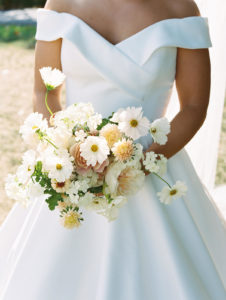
{"points": [[118, 54]]}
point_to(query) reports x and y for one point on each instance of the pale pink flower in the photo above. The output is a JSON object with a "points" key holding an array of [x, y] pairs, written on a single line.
{"points": [[81, 165], [99, 168]]}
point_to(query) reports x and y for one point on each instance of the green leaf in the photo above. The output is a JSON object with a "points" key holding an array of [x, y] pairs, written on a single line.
{"points": [[96, 189], [53, 200]]}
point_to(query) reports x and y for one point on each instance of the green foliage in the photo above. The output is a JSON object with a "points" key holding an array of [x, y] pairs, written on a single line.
{"points": [[12, 4], [11, 33], [104, 122], [43, 179], [96, 189]]}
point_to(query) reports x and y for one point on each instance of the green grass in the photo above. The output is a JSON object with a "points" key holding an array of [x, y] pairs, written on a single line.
{"points": [[19, 35]]}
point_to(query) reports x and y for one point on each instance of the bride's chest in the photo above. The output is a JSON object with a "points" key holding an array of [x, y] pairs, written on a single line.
{"points": [[134, 63]]}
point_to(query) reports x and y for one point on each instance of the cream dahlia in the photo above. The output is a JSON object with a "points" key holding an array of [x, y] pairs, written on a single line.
{"points": [[123, 150], [111, 133]]}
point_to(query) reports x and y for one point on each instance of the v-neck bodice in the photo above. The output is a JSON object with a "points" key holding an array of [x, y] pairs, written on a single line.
{"points": [[138, 71]]}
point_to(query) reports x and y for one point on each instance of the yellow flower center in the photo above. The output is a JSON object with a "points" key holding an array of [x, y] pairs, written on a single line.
{"points": [[173, 192], [94, 148], [133, 123], [34, 127], [59, 166], [153, 130]]}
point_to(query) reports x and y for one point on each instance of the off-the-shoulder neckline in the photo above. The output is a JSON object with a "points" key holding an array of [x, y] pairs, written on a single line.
{"points": [[129, 37]]}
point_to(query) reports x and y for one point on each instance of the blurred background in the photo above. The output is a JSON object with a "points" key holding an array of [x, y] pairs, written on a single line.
{"points": [[17, 42]]}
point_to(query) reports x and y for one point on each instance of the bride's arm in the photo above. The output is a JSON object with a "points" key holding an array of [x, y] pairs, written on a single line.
{"points": [[193, 87], [46, 54]]}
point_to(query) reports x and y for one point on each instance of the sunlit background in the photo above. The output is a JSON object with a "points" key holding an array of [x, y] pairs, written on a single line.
{"points": [[17, 30]]}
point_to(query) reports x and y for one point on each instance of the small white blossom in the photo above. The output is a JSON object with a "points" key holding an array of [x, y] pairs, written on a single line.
{"points": [[94, 121], [36, 192], [15, 190], [167, 195], [80, 135], [159, 130], [52, 77]]}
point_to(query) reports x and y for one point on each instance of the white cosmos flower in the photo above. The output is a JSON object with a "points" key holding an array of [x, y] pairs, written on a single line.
{"points": [[76, 187], [159, 130], [167, 195], [94, 149], [132, 123], [52, 77], [33, 123], [58, 164]]}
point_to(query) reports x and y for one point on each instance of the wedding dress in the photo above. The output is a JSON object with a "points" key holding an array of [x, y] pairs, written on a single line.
{"points": [[152, 251]]}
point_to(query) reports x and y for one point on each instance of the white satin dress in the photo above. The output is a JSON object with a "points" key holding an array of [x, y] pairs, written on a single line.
{"points": [[152, 251]]}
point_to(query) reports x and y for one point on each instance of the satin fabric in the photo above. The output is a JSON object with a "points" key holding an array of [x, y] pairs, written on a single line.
{"points": [[152, 251]]}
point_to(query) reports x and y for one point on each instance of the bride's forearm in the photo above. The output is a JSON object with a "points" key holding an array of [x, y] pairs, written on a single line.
{"points": [[183, 127], [39, 103]]}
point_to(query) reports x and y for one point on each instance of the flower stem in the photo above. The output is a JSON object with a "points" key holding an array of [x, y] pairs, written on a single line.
{"points": [[46, 103], [51, 143], [162, 179]]}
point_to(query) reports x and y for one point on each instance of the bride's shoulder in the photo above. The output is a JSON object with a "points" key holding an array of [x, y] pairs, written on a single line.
{"points": [[59, 5], [184, 8]]}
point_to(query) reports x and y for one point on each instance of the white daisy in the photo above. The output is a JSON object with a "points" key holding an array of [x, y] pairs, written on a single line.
{"points": [[52, 77], [94, 150], [132, 123], [58, 164], [60, 187], [159, 130], [33, 126], [167, 195]]}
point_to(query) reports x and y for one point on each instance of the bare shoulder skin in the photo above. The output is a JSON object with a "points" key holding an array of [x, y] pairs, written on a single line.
{"points": [[115, 21]]}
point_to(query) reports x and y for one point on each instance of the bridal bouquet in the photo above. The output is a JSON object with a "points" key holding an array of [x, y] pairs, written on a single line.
{"points": [[86, 162]]}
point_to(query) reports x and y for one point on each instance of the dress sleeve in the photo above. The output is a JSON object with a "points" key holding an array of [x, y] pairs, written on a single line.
{"points": [[190, 32], [50, 25]]}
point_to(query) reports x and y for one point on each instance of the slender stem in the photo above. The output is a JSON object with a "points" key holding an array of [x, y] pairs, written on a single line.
{"points": [[46, 103], [51, 143], [162, 179]]}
